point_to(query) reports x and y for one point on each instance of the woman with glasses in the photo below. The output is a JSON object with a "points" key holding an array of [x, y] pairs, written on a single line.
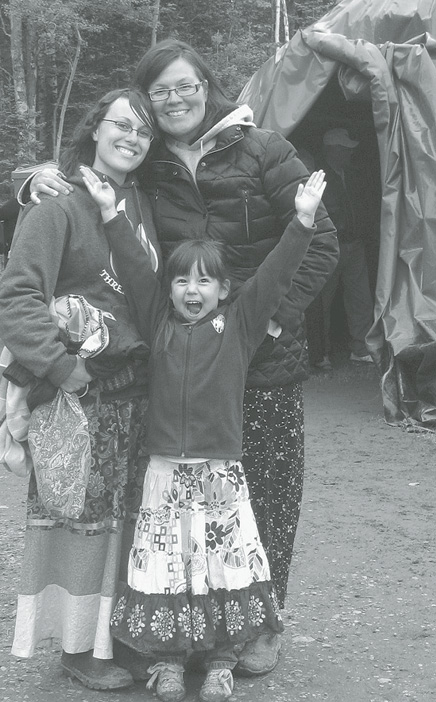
{"points": [[70, 566]]}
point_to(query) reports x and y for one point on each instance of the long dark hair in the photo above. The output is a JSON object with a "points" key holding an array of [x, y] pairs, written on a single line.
{"points": [[82, 146], [160, 56]]}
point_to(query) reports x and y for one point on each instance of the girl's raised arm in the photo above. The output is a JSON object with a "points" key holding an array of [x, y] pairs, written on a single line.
{"points": [[101, 192], [309, 196]]}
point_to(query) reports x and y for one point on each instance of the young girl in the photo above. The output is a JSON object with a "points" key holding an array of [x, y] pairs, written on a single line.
{"points": [[71, 566], [198, 576]]}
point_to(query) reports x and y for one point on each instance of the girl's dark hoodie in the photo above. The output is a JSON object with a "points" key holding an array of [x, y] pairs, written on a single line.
{"points": [[198, 371]]}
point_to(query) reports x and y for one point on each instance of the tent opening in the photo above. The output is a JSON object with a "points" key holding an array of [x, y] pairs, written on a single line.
{"points": [[329, 111]]}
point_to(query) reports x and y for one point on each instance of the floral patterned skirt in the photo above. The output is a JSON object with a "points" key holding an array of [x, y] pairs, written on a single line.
{"points": [[198, 575], [72, 567]]}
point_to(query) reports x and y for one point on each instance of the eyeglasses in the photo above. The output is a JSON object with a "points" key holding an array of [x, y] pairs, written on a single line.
{"points": [[181, 91], [142, 132]]}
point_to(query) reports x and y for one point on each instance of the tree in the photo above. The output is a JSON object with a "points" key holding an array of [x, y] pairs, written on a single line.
{"points": [[58, 132], [155, 22], [281, 11], [23, 81]]}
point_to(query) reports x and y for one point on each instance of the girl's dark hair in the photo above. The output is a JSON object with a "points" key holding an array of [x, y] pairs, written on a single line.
{"points": [[82, 145], [211, 259], [209, 256], [160, 56]]}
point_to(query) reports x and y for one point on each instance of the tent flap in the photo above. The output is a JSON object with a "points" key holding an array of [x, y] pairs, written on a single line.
{"points": [[371, 48]]}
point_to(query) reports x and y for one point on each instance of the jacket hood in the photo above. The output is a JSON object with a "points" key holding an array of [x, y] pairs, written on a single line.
{"points": [[242, 115]]}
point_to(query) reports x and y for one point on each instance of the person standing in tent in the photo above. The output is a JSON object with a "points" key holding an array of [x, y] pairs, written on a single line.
{"points": [[351, 271], [214, 175]]}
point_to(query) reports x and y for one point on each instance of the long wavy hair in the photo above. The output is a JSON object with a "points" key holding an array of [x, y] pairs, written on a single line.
{"points": [[82, 146], [165, 52]]}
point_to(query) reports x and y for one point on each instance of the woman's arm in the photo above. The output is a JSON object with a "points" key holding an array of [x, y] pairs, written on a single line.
{"points": [[27, 287], [48, 180], [140, 283]]}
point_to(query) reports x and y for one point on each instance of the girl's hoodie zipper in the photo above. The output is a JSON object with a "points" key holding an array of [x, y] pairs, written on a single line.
{"points": [[185, 386]]}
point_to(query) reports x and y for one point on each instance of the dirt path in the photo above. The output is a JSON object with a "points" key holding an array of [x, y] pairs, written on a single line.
{"points": [[361, 610]]}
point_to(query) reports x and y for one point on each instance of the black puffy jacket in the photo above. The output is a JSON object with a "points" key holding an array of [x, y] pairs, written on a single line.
{"points": [[244, 195]]}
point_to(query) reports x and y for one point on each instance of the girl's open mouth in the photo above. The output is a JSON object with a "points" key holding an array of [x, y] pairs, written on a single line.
{"points": [[194, 307]]}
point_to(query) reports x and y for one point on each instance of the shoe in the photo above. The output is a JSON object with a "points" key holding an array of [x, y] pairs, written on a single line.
{"points": [[361, 359], [260, 656], [325, 364], [169, 681], [137, 664], [218, 685], [95, 673]]}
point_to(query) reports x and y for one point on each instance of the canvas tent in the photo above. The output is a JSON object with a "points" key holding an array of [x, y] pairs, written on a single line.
{"points": [[370, 65]]}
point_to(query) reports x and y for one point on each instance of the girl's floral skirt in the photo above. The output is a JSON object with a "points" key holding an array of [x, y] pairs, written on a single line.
{"points": [[198, 576]]}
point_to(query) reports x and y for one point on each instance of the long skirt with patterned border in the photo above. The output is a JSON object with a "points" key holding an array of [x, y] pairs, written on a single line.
{"points": [[273, 457], [71, 568], [198, 575]]}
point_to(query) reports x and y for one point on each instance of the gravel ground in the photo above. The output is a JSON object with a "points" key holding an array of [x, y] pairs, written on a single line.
{"points": [[361, 607]]}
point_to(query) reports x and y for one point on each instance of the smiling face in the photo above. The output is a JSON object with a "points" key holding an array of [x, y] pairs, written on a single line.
{"points": [[116, 152], [196, 294], [179, 117]]}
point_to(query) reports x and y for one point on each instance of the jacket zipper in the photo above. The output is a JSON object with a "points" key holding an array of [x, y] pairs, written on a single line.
{"points": [[247, 221], [193, 180], [185, 386]]}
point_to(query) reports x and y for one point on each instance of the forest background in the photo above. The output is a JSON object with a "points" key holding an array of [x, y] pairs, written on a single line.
{"points": [[58, 56]]}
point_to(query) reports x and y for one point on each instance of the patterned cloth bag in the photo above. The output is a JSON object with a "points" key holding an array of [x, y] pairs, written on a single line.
{"points": [[61, 451]]}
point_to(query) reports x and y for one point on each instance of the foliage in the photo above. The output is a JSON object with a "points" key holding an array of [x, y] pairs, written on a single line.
{"points": [[234, 36]]}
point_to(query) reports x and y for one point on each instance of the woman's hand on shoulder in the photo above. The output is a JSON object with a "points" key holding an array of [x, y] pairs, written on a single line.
{"points": [[101, 192], [50, 181]]}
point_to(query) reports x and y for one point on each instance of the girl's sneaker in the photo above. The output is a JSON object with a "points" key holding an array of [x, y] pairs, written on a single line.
{"points": [[169, 681], [218, 686]]}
